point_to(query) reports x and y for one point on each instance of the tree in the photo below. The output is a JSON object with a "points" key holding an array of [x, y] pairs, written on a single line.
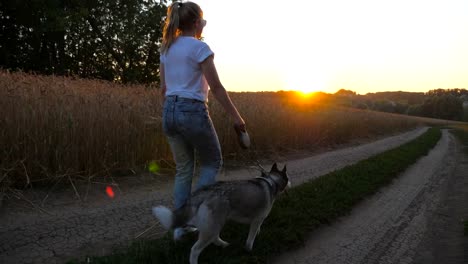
{"points": [[112, 40], [344, 92], [414, 110], [32, 35], [445, 106]]}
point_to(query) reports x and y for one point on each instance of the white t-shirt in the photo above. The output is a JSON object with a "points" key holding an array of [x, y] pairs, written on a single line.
{"points": [[183, 73]]}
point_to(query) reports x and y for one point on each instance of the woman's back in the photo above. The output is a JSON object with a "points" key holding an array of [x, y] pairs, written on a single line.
{"points": [[183, 73]]}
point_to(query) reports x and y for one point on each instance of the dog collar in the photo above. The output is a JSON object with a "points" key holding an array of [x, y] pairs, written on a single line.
{"points": [[270, 182]]}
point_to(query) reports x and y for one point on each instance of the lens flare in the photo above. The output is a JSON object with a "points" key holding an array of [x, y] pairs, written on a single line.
{"points": [[153, 167], [110, 192]]}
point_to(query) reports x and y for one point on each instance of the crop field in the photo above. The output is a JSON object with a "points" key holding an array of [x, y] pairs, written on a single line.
{"points": [[55, 127]]}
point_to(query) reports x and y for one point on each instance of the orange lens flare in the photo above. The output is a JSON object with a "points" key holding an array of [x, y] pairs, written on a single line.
{"points": [[110, 192]]}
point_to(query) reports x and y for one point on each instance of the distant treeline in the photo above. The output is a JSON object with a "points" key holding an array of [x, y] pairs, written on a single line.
{"points": [[451, 104]]}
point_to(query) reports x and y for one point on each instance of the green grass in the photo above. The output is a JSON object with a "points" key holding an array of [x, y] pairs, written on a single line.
{"points": [[304, 209], [462, 135], [466, 228]]}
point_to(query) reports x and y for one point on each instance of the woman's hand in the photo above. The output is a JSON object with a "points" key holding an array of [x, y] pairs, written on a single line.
{"points": [[240, 124]]}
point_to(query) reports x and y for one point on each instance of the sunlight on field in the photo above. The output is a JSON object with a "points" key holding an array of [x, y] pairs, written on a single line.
{"points": [[57, 126], [463, 127]]}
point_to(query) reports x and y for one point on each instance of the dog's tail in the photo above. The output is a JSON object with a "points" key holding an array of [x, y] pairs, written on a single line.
{"points": [[171, 219]]}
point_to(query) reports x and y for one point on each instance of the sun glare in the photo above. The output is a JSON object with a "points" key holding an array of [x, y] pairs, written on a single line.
{"points": [[305, 81], [306, 94]]}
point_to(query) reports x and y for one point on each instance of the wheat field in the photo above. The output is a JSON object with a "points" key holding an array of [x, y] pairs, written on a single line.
{"points": [[53, 126]]}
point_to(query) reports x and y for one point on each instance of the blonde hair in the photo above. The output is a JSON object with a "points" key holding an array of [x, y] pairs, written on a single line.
{"points": [[180, 17]]}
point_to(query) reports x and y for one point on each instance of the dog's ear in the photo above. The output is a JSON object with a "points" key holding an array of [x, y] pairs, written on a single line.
{"points": [[284, 173], [274, 167]]}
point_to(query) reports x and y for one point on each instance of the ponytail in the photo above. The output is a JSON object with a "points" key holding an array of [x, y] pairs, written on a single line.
{"points": [[180, 16], [171, 27]]}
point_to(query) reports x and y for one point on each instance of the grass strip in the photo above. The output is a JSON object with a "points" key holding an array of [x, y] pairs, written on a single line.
{"points": [[305, 208], [462, 135], [466, 228]]}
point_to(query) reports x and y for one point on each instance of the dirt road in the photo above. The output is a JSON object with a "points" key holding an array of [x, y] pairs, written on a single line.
{"points": [[416, 219], [67, 227]]}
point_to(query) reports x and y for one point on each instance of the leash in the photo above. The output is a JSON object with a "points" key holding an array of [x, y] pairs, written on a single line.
{"points": [[244, 142], [251, 160], [243, 139]]}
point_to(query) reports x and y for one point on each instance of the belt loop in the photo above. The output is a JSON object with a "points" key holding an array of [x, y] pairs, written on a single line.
{"points": [[176, 97]]}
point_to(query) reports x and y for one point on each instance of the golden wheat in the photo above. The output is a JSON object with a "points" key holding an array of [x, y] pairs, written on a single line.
{"points": [[52, 126]]}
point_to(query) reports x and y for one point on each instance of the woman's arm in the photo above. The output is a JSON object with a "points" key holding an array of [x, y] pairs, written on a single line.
{"points": [[211, 75], [162, 79]]}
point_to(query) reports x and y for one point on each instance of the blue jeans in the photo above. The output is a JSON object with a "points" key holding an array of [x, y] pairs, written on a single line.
{"points": [[190, 132]]}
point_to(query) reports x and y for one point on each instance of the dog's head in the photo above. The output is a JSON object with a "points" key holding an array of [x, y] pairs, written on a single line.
{"points": [[280, 177]]}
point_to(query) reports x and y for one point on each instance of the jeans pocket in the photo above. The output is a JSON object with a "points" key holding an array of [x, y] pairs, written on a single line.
{"points": [[193, 122]]}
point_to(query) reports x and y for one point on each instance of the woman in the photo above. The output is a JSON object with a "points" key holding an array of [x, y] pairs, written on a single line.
{"points": [[187, 70]]}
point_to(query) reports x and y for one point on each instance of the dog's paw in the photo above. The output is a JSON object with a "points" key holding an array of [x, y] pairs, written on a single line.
{"points": [[248, 247]]}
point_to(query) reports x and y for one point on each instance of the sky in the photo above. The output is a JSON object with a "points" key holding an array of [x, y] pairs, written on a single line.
{"points": [[360, 45]]}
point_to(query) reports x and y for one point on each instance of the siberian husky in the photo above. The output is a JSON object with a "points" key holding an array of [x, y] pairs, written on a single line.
{"points": [[244, 201]]}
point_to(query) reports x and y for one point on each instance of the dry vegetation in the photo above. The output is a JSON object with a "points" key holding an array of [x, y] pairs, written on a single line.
{"points": [[55, 126]]}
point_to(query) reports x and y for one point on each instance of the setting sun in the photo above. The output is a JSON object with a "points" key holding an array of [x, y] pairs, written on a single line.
{"points": [[306, 94]]}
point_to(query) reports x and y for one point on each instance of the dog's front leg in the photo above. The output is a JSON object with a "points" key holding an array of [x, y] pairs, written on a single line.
{"points": [[254, 229]]}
